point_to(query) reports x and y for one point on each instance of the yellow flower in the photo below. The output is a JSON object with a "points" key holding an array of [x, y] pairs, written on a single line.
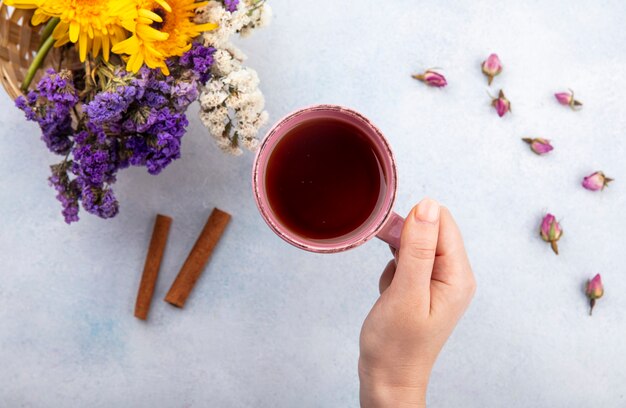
{"points": [[29, 4], [23, 4], [94, 24], [162, 30]]}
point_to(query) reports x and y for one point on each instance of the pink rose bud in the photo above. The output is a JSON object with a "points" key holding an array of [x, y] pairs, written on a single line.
{"points": [[594, 290], [431, 78], [564, 98], [492, 67], [539, 146], [567, 99], [596, 182], [501, 104], [551, 231]]}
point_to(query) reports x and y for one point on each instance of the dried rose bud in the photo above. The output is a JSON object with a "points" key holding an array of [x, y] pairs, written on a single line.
{"points": [[567, 99], [539, 146], [431, 78], [501, 104], [551, 231], [596, 182], [594, 290], [564, 98], [492, 67]]}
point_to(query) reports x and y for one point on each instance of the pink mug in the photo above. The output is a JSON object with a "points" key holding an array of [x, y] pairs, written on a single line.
{"points": [[383, 223]]}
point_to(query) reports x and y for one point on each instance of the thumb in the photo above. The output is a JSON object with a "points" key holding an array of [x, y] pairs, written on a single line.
{"points": [[418, 246]]}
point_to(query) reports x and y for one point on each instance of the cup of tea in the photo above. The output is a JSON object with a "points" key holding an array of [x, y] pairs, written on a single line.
{"points": [[324, 180]]}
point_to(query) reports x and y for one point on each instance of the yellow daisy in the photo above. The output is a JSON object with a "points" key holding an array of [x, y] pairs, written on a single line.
{"points": [[93, 24], [40, 15], [23, 4], [161, 31]]}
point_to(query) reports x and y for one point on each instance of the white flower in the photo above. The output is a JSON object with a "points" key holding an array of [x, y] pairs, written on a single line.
{"points": [[228, 23], [212, 12], [227, 146], [245, 32], [250, 144], [260, 15], [235, 52], [266, 15], [244, 80], [256, 100], [215, 126], [246, 130], [216, 38], [224, 63], [262, 119], [249, 116], [237, 101], [212, 95], [231, 104], [251, 102], [239, 18]]}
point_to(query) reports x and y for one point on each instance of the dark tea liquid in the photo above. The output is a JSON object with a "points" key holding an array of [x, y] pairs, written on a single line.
{"points": [[323, 179]]}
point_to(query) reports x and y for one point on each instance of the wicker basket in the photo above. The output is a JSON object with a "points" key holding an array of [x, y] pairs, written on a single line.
{"points": [[19, 42]]}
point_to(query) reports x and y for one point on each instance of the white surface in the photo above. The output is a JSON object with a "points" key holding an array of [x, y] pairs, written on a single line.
{"points": [[271, 326]]}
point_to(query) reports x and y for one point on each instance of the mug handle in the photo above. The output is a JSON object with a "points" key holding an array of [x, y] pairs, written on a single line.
{"points": [[391, 231]]}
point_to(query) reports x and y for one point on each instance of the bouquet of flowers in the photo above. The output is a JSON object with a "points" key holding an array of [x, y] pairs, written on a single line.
{"points": [[143, 62]]}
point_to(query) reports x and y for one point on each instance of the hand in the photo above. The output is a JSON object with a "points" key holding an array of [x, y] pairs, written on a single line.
{"points": [[423, 295]]}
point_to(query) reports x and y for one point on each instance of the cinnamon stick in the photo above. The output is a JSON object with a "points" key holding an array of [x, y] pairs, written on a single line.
{"points": [[153, 264], [198, 258]]}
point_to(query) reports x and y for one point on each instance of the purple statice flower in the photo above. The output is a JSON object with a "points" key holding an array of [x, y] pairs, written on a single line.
{"points": [[147, 114], [69, 201], [138, 119], [148, 130], [26, 104], [154, 99], [152, 88], [68, 192], [94, 162], [136, 148], [55, 134], [199, 60], [231, 5], [155, 91], [56, 127], [153, 80], [50, 105], [58, 87], [99, 201], [107, 108], [158, 140], [183, 94]]}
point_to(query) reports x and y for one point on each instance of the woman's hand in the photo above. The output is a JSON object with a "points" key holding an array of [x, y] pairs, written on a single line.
{"points": [[424, 292]]}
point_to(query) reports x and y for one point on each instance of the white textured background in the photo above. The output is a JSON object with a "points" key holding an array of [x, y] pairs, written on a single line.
{"points": [[271, 326]]}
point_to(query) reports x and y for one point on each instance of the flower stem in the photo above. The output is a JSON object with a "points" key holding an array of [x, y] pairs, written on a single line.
{"points": [[555, 247], [37, 63], [48, 29]]}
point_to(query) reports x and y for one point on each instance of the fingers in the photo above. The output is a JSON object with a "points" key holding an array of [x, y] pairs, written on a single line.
{"points": [[387, 276], [450, 239], [394, 252], [418, 246], [452, 265]]}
